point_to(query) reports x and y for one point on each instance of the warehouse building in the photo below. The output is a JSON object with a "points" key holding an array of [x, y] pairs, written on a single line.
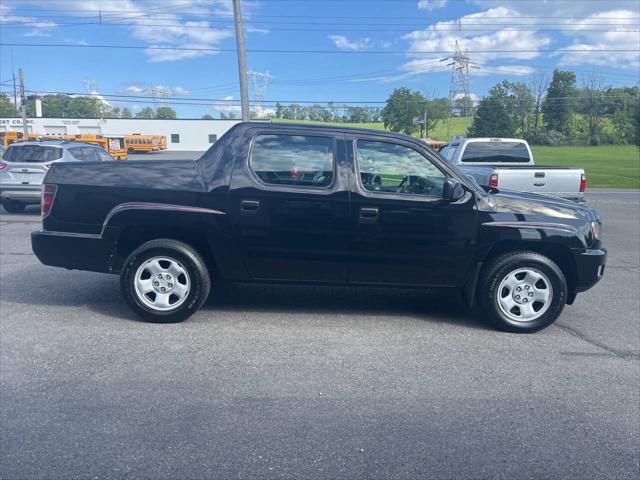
{"points": [[182, 135]]}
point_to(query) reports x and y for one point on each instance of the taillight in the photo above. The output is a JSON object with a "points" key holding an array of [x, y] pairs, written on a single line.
{"points": [[493, 180], [48, 194], [3, 165], [583, 182]]}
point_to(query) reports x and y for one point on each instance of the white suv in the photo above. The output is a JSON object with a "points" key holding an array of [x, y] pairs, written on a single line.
{"points": [[24, 165]]}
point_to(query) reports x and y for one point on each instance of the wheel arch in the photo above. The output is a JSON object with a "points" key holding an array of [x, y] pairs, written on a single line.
{"points": [[559, 253], [132, 236]]}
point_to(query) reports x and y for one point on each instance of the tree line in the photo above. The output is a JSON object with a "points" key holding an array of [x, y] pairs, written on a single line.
{"points": [[557, 111], [67, 106]]}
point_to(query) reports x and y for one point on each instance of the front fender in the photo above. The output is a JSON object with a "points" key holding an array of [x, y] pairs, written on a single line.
{"points": [[547, 232]]}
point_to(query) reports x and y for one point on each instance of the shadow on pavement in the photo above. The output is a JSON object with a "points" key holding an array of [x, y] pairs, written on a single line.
{"points": [[101, 293]]}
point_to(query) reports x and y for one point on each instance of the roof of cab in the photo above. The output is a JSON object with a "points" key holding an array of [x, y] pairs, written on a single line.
{"points": [[314, 126]]}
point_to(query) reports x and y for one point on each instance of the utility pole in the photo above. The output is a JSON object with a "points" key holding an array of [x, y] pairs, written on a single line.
{"points": [[23, 107], [242, 62], [15, 92]]}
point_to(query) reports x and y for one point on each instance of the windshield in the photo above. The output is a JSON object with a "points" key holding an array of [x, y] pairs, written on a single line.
{"points": [[496, 152], [32, 153]]}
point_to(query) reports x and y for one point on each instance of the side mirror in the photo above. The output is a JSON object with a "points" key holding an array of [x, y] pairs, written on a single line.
{"points": [[452, 189]]}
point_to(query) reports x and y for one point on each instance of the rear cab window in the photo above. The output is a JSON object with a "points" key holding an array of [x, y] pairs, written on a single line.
{"points": [[32, 154], [298, 160], [496, 152]]}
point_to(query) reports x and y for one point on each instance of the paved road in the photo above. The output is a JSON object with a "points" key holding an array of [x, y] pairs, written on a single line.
{"points": [[315, 382]]}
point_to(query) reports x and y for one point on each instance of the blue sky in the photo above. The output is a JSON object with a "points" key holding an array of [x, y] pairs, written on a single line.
{"points": [[368, 46]]}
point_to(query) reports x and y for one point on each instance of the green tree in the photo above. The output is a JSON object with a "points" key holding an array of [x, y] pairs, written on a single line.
{"points": [[357, 114], [146, 112], [7, 109], [520, 105], [206, 116], [112, 113], [125, 113], [401, 108], [492, 118], [559, 105], [432, 112], [166, 113], [592, 104]]}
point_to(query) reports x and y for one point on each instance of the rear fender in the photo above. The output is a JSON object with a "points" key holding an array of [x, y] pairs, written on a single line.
{"points": [[128, 225]]}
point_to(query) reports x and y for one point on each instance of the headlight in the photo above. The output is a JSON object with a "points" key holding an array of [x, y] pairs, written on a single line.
{"points": [[596, 230]]}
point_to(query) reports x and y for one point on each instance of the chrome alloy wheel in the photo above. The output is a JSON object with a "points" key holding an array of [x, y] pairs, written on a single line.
{"points": [[162, 283], [525, 295]]}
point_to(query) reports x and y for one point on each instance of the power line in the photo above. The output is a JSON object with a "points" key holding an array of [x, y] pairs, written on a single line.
{"points": [[461, 28], [233, 101], [315, 51]]}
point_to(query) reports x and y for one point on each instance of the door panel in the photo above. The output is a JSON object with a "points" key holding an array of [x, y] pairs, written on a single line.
{"points": [[293, 230], [405, 238]]}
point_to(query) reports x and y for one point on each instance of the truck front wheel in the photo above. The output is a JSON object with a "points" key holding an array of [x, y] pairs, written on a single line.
{"points": [[165, 281], [522, 292]]}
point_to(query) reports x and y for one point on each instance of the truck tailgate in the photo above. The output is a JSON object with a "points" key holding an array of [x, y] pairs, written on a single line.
{"points": [[562, 182]]}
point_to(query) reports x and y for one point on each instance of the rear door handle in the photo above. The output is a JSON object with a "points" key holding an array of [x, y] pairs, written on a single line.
{"points": [[369, 214], [540, 174], [539, 184], [249, 207]]}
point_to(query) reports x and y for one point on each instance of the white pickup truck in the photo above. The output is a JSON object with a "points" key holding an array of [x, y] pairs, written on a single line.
{"points": [[507, 163]]}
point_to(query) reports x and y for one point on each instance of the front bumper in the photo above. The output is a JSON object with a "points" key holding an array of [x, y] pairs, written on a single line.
{"points": [[72, 250], [590, 265]]}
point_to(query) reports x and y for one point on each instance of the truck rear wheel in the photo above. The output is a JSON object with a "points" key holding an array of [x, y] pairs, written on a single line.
{"points": [[165, 281], [522, 292]]}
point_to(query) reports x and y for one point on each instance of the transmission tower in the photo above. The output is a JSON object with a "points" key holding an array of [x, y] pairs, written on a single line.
{"points": [[160, 96], [459, 95], [260, 81], [90, 85]]}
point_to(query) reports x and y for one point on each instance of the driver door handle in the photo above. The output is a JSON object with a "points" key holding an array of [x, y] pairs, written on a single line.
{"points": [[249, 207], [369, 214]]}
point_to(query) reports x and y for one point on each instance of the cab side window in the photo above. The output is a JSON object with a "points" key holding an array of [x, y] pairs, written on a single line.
{"points": [[300, 160], [392, 168]]}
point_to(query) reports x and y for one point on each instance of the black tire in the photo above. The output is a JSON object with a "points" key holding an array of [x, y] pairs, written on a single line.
{"points": [[185, 256], [13, 206], [130, 151], [498, 269]]}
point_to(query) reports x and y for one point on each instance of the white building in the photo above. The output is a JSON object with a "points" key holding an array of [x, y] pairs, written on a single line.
{"points": [[182, 135]]}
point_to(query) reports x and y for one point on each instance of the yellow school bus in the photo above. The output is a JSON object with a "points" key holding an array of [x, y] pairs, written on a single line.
{"points": [[137, 143], [7, 138], [141, 143], [435, 144]]}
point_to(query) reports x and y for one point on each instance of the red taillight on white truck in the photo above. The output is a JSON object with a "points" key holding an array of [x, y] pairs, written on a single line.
{"points": [[48, 194], [583, 183], [3, 165], [493, 180]]}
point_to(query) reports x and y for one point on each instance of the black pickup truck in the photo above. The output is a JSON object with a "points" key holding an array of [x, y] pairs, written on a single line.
{"points": [[291, 203]]}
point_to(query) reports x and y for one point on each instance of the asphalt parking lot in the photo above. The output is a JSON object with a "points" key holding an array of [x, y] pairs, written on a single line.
{"points": [[282, 382]]}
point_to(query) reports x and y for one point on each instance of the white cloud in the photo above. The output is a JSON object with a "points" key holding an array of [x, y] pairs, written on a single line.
{"points": [[343, 43], [139, 87], [40, 27], [516, 46], [431, 4], [617, 30], [162, 24], [135, 89], [586, 26], [228, 105]]}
